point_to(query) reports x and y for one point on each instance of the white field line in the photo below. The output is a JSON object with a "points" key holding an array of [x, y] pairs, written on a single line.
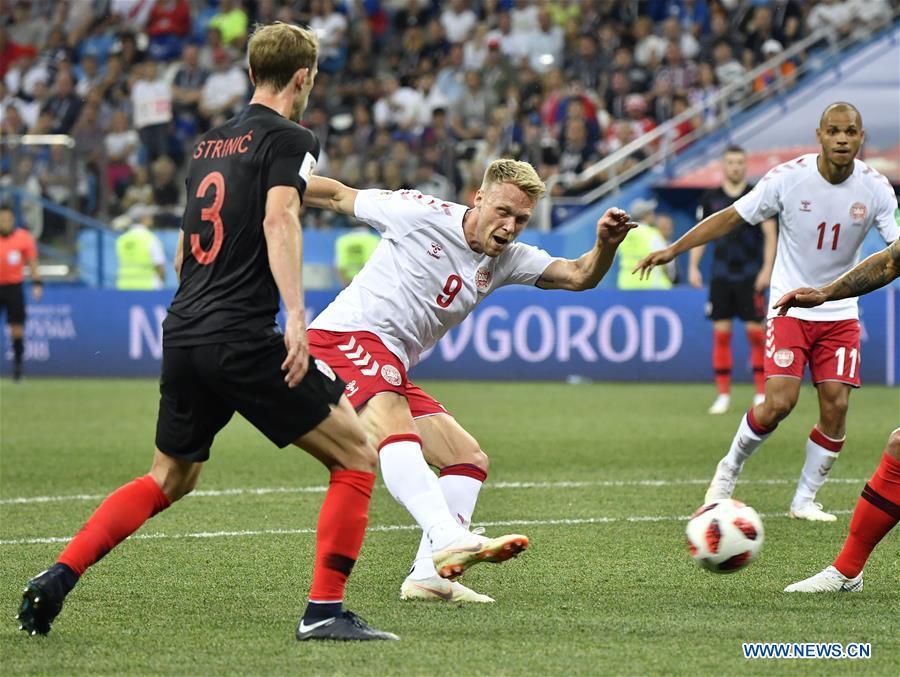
{"points": [[389, 527], [262, 491]]}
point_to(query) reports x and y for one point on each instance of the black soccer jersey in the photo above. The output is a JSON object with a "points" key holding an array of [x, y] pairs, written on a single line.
{"points": [[738, 255], [227, 291]]}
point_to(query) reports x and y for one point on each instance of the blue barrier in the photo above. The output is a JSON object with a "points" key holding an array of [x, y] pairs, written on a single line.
{"points": [[516, 334]]}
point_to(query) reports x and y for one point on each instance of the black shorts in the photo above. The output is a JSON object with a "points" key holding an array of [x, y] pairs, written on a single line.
{"points": [[12, 300], [202, 386], [728, 299]]}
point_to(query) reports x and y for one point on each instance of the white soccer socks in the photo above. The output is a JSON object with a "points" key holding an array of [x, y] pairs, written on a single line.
{"points": [[413, 484]]}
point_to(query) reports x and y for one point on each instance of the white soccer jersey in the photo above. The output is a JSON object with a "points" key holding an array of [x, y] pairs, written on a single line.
{"points": [[821, 227], [423, 278]]}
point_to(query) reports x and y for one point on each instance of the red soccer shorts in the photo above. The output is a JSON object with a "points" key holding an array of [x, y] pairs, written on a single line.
{"points": [[366, 365], [831, 348]]}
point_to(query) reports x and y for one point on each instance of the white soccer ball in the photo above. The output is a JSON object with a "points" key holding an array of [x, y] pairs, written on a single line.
{"points": [[724, 536]]}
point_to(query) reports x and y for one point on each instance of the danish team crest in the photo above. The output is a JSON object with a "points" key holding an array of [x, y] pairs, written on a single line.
{"points": [[858, 212], [482, 279], [784, 357], [391, 374]]}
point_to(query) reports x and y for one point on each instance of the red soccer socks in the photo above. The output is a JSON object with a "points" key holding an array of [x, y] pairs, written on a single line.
{"points": [[876, 513], [340, 532], [120, 515]]}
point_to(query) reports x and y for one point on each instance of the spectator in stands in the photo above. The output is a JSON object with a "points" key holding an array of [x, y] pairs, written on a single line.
{"points": [[330, 27], [224, 90], [524, 16], [471, 113], [720, 30], [674, 35], [400, 107], [187, 88], [649, 48], [582, 64], [458, 21], [545, 44], [640, 242], [139, 253], [151, 100], [780, 76], [89, 75], [451, 78], [576, 156], [167, 193], [231, 22], [64, 105], [727, 69], [121, 144], [139, 191], [168, 26]]}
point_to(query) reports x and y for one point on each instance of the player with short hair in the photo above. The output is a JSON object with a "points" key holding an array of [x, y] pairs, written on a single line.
{"points": [[878, 508], [240, 251], [826, 204], [17, 247], [436, 262], [741, 271]]}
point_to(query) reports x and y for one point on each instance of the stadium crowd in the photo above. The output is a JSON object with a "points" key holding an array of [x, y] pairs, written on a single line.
{"points": [[411, 93]]}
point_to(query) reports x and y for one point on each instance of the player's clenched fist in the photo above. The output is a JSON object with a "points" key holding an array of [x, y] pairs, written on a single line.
{"points": [[614, 225]]}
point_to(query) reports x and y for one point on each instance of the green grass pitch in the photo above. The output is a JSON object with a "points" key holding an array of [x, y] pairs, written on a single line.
{"points": [[219, 587]]}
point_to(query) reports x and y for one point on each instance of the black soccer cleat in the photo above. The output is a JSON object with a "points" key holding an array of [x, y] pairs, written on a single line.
{"points": [[43, 598], [348, 627]]}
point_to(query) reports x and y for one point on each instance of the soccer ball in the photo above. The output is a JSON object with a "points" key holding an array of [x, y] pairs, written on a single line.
{"points": [[724, 536]]}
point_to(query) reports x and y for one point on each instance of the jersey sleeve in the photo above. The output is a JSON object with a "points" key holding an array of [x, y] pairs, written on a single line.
{"points": [[29, 248], [762, 202], [395, 213], [887, 216], [523, 264], [293, 159]]}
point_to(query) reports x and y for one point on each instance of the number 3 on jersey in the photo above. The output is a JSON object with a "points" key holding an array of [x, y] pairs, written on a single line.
{"points": [[213, 215], [452, 287]]}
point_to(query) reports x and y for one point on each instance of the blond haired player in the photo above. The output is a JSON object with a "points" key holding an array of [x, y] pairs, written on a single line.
{"points": [[826, 203], [436, 262]]}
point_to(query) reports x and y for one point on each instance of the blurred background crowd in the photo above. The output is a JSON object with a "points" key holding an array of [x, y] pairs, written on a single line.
{"points": [[410, 93]]}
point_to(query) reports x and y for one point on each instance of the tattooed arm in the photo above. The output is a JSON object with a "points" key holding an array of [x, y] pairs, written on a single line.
{"points": [[869, 275]]}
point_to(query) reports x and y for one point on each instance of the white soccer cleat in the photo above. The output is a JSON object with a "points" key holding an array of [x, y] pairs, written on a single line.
{"points": [[437, 589], [812, 512], [721, 405], [452, 561], [828, 580], [759, 398], [722, 485]]}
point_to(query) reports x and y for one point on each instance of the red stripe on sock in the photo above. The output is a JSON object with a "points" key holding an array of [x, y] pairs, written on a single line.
{"points": [[117, 517], [340, 531], [756, 339], [466, 470], [824, 441], [406, 437], [755, 426], [722, 361]]}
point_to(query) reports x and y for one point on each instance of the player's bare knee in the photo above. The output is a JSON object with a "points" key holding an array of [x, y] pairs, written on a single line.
{"points": [[779, 405], [480, 459], [893, 445]]}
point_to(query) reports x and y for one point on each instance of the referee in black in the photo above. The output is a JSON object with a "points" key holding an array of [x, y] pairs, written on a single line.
{"points": [[741, 270], [240, 250]]}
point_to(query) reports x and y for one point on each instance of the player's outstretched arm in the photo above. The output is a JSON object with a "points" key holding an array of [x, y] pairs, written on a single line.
{"points": [[712, 227], [770, 245], [325, 193], [869, 275], [284, 245], [587, 270]]}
